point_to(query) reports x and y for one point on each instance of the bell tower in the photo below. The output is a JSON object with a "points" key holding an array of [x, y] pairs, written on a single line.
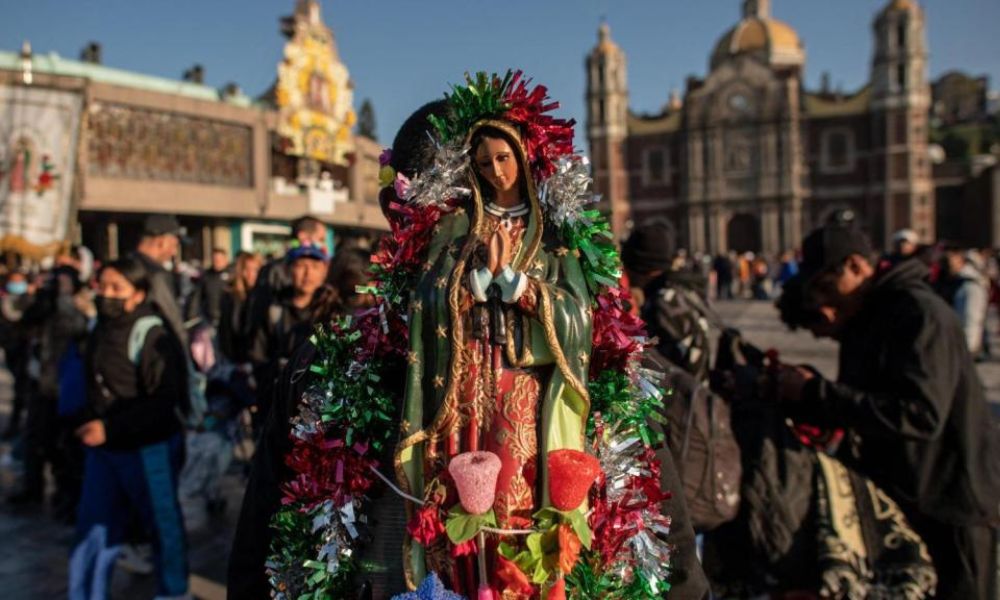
{"points": [[901, 99], [607, 127]]}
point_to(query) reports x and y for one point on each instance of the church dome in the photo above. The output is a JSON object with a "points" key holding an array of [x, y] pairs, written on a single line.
{"points": [[771, 39], [902, 5]]}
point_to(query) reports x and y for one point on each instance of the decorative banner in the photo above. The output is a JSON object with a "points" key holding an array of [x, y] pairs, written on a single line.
{"points": [[314, 94], [138, 143], [38, 138]]}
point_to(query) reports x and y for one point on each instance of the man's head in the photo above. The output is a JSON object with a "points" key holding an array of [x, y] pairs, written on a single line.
{"points": [[309, 231], [905, 242], [161, 238], [836, 271], [220, 259], [308, 267], [647, 253], [954, 259]]}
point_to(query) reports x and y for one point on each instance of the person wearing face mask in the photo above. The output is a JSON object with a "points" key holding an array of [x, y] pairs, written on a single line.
{"points": [[132, 427], [17, 297], [56, 321]]}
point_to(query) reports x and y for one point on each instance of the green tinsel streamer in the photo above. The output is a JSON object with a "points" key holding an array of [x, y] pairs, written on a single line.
{"points": [[291, 576], [481, 97], [584, 583], [623, 405], [591, 236]]}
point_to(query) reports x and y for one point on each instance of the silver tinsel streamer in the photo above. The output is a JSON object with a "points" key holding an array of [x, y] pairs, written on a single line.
{"points": [[338, 527], [443, 180], [568, 191], [647, 553]]}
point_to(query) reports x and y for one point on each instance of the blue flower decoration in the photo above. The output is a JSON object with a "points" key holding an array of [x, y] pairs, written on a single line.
{"points": [[430, 589]]}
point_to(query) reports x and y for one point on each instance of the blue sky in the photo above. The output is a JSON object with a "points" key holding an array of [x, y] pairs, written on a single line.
{"points": [[402, 53]]}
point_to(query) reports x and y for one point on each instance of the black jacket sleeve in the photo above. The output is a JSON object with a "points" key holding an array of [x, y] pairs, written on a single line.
{"points": [[252, 541], [156, 414], [921, 372]]}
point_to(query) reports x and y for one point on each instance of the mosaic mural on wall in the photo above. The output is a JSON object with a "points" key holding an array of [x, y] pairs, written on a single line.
{"points": [[134, 143], [314, 94], [38, 139]]}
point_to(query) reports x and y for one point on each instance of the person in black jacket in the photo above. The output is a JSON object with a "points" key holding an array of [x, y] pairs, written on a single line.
{"points": [[206, 300], [159, 246], [910, 400], [275, 277], [132, 428], [289, 321], [232, 339]]}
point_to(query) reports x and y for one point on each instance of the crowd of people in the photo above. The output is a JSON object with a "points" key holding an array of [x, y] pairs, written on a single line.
{"points": [[967, 278], [135, 379], [887, 482], [134, 394]]}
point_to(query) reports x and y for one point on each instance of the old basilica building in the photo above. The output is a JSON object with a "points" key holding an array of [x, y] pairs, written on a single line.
{"points": [[748, 159]]}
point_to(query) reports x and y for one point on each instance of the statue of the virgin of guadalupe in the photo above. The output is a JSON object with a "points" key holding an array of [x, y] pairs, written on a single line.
{"points": [[500, 338], [495, 386]]}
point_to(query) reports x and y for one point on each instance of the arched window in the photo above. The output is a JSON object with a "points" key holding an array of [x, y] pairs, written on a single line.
{"points": [[837, 152]]}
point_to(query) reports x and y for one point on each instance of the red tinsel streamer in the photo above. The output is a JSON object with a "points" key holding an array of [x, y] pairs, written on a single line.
{"points": [[411, 226], [545, 137], [326, 469], [615, 522], [617, 334]]}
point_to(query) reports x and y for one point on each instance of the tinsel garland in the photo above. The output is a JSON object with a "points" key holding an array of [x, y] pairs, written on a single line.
{"points": [[345, 417]]}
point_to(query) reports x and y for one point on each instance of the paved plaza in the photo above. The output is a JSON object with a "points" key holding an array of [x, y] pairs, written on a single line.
{"points": [[34, 547]]}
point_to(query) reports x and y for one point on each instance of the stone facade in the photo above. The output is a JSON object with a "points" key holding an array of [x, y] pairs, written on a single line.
{"points": [[749, 160]]}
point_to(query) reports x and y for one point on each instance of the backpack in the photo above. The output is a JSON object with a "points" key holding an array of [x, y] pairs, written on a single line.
{"points": [[703, 445], [197, 404], [776, 488]]}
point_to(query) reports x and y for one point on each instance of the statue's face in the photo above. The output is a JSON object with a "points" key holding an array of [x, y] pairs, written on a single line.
{"points": [[497, 163]]}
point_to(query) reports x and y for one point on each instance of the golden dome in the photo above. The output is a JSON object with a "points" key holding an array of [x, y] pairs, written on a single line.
{"points": [[902, 5], [776, 40]]}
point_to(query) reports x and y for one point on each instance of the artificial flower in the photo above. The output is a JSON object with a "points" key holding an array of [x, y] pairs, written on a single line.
{"points": [[569, 548], [385, 157], [513, 577], [402, 185], [386, 175], [557, 591], [475, 475], [426, 526], [430, 589], [571, 473], [466, 548]]}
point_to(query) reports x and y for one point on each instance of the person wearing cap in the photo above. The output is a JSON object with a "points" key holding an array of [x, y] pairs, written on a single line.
{"points": [[909, 399], [158, 246], [289, 320], [671, 301], [275, 277], [905, 243]]}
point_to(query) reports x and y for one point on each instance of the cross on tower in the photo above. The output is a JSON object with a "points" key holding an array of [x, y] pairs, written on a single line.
{"points": [[760, 9]]}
